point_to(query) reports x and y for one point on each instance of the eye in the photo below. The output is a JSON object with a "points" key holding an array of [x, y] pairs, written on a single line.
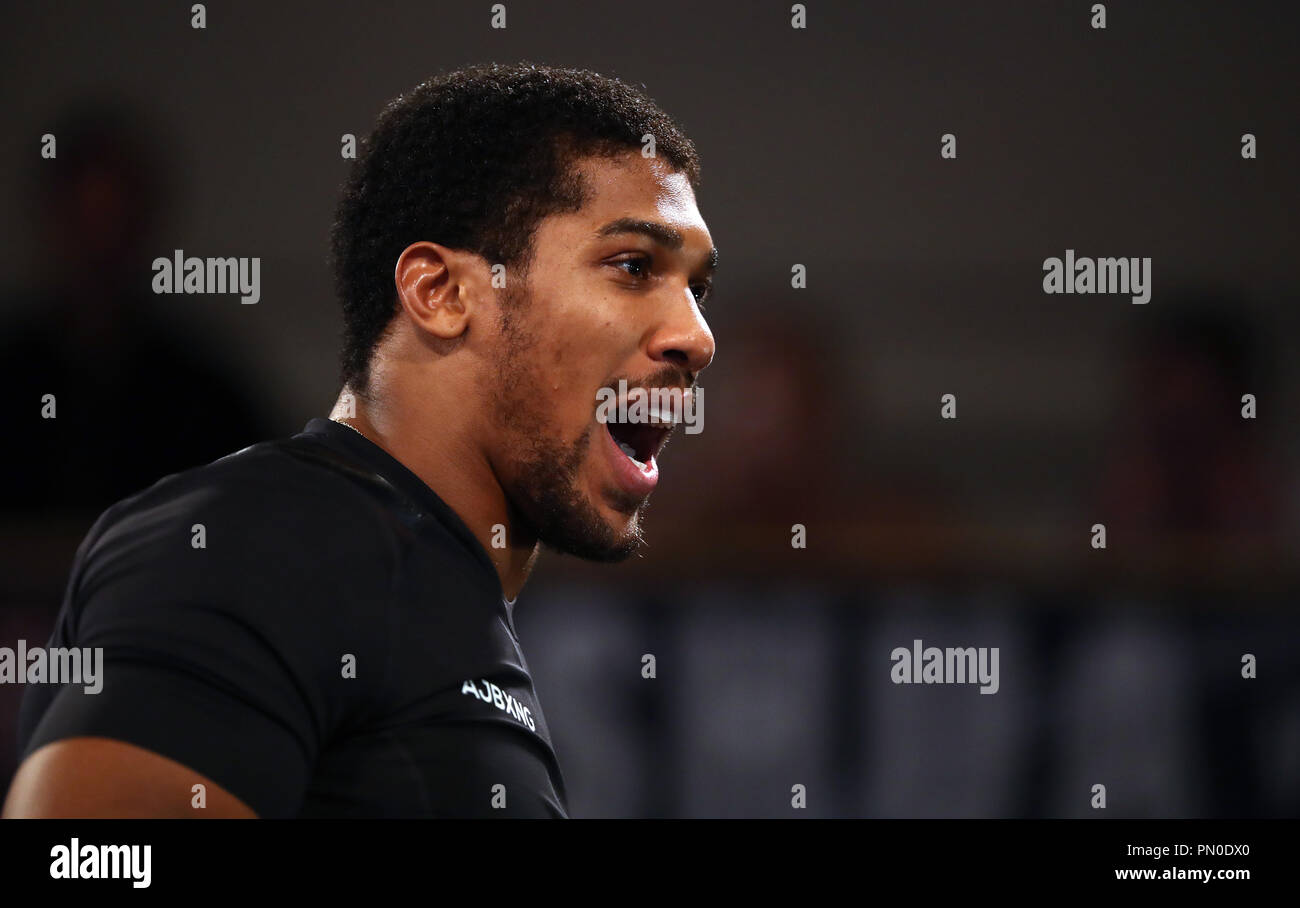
{"points": [[701, 292], [637, 266]]}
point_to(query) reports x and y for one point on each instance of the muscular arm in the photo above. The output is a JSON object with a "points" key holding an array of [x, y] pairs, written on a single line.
{"points": [[103, 778]]}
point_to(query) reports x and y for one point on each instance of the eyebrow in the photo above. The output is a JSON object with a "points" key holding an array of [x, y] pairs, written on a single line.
{"points": [[660, 233]]}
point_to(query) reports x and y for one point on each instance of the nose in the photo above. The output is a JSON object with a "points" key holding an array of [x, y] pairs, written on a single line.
{"points": [[683, 338]]}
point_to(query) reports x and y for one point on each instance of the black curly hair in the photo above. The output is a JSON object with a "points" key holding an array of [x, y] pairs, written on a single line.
{"points": [[474, 159]]}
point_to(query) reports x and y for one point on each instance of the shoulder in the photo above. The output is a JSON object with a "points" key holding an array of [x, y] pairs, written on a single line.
{"points": [[278, 525], [252, 576], [289, 489]]}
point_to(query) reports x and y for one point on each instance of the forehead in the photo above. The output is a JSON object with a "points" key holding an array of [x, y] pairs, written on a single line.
{"points": [[643, 188]]}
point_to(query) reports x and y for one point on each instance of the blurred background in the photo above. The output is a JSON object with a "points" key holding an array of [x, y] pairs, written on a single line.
{"points": [[820, 147]]}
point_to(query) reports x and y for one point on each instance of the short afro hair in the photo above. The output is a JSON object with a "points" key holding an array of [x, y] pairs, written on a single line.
{"points": [[474, 159]]}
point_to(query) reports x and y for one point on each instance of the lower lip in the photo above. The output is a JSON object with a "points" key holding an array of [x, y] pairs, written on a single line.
{"points": [[630, 477]]}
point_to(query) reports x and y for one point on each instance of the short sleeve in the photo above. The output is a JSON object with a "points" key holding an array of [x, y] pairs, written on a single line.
{"points": [[237, 619]]}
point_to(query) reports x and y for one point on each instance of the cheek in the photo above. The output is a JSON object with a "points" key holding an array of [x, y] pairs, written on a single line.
{"points": [[588, 346], [585, 340]]}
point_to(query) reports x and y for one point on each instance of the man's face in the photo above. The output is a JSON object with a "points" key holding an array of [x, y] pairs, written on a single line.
{"points": [[611, 294]]}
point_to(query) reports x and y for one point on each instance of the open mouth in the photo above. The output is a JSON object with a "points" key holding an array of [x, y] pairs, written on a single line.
{"points": [[637, 424], [640, 442]]}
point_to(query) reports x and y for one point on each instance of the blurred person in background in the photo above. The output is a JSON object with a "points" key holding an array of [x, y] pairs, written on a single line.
{"points": [[136, 397]]}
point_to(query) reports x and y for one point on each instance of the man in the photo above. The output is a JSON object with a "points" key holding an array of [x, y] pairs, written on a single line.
{"points": [[323, 625]]}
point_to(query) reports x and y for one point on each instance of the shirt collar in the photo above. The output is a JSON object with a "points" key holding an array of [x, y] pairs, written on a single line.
{"points": [[398, 475]]}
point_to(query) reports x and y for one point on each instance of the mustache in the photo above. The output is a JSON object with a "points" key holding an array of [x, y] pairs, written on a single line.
{"points": [[667, 377]]}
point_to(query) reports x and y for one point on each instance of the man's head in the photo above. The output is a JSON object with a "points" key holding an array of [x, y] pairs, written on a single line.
{"points": [[504, 250]]}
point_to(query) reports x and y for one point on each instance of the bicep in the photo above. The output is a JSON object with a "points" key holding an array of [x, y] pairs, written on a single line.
{"points": [[217, 731], [225, 659], [102, 777]]}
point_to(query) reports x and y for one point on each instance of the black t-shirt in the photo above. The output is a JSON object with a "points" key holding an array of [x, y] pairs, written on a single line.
{"points": [[308, 625]]}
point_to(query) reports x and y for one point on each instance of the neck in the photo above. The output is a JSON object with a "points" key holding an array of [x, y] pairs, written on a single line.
{"points": [[437, 447]]}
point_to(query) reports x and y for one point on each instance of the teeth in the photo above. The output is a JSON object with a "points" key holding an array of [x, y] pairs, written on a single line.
{"points": [[660, 416], [630, 452]]}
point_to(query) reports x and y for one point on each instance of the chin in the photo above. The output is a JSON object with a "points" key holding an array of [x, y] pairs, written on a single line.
{"points": [[597, 533], [576, 508], [606, 552], [626, 534]]}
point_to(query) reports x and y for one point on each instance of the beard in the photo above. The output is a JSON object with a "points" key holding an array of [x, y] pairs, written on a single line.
{"points": [[546, 488]]}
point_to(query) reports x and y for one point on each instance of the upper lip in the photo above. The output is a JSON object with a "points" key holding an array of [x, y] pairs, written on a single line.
{"points": [[656, 416]]}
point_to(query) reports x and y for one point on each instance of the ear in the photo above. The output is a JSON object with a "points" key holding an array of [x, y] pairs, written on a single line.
{"points": [[438, 288]]}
